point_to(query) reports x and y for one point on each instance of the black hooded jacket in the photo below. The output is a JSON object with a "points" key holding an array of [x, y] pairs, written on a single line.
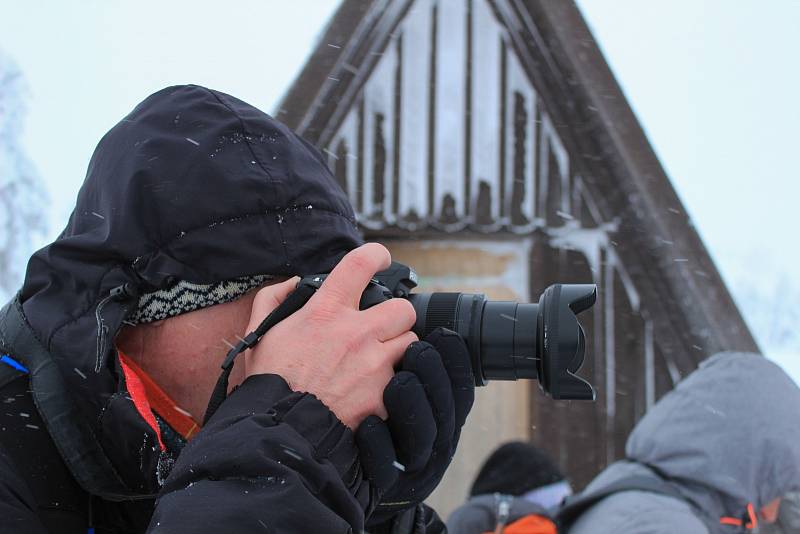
{"points": [[193, 185]]}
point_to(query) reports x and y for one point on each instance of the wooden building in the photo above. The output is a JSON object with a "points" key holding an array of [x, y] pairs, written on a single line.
{"points": [[487, 144]]}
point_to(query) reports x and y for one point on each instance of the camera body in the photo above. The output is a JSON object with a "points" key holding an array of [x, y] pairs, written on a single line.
{"points": [[506, 340]]}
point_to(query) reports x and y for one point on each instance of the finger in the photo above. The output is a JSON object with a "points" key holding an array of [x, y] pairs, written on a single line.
{"points": [[423, 360], [269, 298], [349, 278], [390, 319], [410, 421], [396, 348], [376, 452], [457, 362]]}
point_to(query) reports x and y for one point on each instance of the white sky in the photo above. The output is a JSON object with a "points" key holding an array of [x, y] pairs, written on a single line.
{"points": [[89, 63], [714, 83]]}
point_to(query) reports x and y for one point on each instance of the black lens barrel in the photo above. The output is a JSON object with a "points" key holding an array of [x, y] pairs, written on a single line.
{"points": [[460, 312], [510, 341]]}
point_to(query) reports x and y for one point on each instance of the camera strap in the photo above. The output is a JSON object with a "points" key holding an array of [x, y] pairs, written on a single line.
{"points": [[293, 302]]}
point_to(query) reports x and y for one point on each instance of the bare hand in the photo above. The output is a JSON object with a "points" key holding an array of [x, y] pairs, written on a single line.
{"points": [[329, 348]]}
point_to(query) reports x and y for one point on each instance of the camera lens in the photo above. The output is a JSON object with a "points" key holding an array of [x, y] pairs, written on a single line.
{"points": [[509, 340]]}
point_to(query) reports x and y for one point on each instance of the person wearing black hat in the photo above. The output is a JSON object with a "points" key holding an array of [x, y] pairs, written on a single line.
{"points": [[517, 480], [196, 214]]}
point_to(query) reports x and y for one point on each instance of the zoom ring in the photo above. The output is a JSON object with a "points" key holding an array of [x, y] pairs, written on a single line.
{"points": [[441, 312]]}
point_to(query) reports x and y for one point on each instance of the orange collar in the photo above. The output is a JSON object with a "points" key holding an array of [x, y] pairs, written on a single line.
{"points": [[148, 397]]}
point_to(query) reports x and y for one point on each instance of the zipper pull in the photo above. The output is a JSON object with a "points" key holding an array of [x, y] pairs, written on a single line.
{"points": [[126, 291], [503, 510]]}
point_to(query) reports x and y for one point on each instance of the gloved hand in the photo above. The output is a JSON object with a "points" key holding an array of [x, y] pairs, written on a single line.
{"points": [[428, 400]]}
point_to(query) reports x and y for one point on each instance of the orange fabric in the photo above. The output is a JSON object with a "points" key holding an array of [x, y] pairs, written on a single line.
{"points": [[752, 519], [139, 397], [151, 396], [751, 511], [732, 521], [530, 524]]}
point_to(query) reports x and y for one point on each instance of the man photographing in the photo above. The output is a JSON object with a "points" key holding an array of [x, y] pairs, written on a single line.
{"points": [[196, 213]]}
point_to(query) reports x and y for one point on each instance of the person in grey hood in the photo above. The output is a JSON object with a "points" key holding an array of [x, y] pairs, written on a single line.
{"points": [[726, 446]]}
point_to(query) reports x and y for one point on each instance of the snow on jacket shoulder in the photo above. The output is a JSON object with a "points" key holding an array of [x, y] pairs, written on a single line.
{"points": [[728, 435]]}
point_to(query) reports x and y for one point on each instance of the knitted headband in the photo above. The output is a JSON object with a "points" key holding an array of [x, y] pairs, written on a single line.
{"points": [[185, 297]]}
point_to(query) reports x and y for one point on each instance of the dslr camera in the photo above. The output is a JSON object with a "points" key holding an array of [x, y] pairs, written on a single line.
{"points": [[506, 340]]}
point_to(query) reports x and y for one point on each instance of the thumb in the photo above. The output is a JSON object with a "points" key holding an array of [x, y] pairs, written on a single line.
{"points": [[269, 298]]}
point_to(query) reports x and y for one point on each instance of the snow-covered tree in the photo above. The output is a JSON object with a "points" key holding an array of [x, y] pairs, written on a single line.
{"points": [[767, 291], [769, 302], [23, 200]]}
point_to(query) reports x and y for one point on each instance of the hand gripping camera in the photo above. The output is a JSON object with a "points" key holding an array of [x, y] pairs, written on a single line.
{"points": [[506, 340]]}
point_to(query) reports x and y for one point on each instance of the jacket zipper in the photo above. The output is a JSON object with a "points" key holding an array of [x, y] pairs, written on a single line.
{"points": [[503, 511], [119, 294]]}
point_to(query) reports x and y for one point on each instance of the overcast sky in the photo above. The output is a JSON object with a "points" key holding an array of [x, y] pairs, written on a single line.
{"points": [[714, 83]]}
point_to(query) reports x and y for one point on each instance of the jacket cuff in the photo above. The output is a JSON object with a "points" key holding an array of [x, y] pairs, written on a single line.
{"points": [[269, 394]]}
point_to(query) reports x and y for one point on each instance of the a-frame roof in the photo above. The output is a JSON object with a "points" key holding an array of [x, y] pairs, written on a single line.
{"points": [[606, 143]]}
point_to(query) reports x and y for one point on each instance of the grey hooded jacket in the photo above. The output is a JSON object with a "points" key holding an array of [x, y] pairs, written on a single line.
{"points": [[727, 436]]}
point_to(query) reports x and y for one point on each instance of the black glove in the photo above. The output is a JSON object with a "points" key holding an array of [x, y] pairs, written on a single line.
{"points": [[427, 401]]}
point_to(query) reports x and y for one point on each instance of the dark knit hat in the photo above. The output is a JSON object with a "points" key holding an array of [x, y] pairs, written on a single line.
{"points": [[515, 468]]}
